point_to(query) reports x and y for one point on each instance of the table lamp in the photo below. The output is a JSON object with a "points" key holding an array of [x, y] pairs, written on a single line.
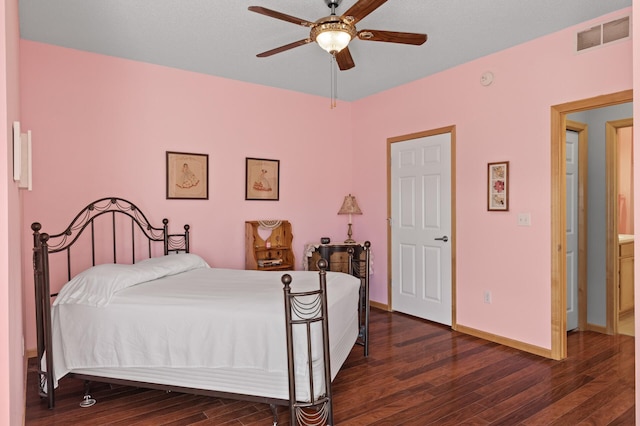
{"points": [[350, 207]]}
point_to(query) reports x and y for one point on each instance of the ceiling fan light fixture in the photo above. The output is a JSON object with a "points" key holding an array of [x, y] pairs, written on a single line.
{"points": [[333, 36]]}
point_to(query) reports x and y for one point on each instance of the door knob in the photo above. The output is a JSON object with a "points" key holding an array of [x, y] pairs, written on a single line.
{"points": [[445, 239]]}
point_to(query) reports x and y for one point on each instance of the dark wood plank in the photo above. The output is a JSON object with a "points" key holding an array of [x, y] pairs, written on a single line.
{"points": [[418, 373]]}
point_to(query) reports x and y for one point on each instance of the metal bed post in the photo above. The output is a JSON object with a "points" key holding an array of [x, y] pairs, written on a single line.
{"points": [[133, 241], [367, 306], [309, 307], [325, 338], [113, 230], [165, 228], [93, 249], [46, 321], [43, 313], [361, 268], [37, 278], [286, 280], [186, 238]]}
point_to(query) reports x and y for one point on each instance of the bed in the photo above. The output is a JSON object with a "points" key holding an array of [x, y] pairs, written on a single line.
{"points": [[160, 317]]}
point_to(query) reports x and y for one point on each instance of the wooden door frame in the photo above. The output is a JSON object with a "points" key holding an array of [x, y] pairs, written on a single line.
{"points": [[442, 130], [583, 165], [559, 211], [613, 270]]}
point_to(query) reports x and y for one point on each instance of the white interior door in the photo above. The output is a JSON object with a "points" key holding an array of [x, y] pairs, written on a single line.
{"points": [[421, 227], [572, 229]]}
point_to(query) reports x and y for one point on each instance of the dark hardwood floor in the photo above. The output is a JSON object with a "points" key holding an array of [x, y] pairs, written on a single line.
{"points": [[418, 373]]}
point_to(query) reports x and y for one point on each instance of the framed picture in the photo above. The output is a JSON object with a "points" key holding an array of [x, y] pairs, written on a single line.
{"points": [[262, 179], [187, 176], [498, 186]]}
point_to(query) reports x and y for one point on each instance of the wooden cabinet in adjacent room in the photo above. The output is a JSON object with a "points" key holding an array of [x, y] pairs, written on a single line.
{"points": [[273, 252], [625, 265]]}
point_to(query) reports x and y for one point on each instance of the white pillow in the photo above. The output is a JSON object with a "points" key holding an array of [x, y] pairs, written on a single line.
{"points": [[174, 263], [97, 285]]}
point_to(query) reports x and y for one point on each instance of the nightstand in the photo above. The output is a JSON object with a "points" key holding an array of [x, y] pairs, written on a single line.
{"points": [[338, 256]]}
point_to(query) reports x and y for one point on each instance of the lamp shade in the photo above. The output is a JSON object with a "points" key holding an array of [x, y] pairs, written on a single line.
{"points": [[350, 206]]}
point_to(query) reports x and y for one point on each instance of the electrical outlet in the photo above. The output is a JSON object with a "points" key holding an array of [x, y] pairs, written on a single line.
{"points": [[487, 296]]}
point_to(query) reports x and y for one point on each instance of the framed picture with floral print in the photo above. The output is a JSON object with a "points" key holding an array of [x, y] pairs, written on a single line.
{"points": [[498, 186]]}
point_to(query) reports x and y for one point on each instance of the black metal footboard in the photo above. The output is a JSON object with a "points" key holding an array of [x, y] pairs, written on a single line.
{"points": [[303, 309]]}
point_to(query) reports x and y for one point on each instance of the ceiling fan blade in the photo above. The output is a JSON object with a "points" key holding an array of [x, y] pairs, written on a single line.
{"points": [[392, 37], [278, 15], [283, 48], [362, 8], [344, 59]]}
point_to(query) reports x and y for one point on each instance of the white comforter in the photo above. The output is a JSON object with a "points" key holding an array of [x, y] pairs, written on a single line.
{"points": [[200, 318]]}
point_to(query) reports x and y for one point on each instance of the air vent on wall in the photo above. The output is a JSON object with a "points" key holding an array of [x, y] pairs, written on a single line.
{"points": [[617, 29]]}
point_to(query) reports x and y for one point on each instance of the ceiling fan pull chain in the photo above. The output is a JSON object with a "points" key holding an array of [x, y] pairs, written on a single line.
{"points": [[331, 62], [334, 80], [335, 77]]}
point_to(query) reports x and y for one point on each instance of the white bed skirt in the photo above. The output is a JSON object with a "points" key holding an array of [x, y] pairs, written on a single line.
{"points": [[252, 382]]}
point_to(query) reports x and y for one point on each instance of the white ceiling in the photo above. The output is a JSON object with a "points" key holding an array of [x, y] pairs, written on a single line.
{"points": [[222, 38]]}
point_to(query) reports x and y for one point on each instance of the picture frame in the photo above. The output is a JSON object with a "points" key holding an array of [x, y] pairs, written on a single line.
{"points": [[498, 186], [262, 179], [187, 176]]}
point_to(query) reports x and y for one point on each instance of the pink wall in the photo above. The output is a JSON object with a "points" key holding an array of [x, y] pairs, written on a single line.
{"points": [[5, 326], [509, 120], [635, 16], [11, 306], [101, 127]]}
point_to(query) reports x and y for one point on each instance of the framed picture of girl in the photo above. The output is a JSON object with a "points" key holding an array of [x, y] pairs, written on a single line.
{"points": [[187, 176], [262, 179]]}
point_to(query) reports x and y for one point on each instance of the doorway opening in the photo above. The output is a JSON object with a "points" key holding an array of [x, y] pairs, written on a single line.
{"points": [[558, 215], [577, 163], [620, 288]]}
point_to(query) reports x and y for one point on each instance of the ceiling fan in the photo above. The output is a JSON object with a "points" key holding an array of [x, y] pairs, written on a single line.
{"points": [[333, 33]]}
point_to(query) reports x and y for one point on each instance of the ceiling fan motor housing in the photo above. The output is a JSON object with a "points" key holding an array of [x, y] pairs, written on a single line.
{"points": [[331, 23]]}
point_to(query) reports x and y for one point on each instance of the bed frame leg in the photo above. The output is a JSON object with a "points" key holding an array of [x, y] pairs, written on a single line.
{"points": [[87, 401], [274, 411]]}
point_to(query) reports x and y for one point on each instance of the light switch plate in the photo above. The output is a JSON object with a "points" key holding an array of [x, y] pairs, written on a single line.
{"points": [[524, 219]]}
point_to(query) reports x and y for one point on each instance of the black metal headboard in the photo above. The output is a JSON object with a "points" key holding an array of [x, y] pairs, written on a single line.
{"points": [[111, 205], [45, 244]]}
